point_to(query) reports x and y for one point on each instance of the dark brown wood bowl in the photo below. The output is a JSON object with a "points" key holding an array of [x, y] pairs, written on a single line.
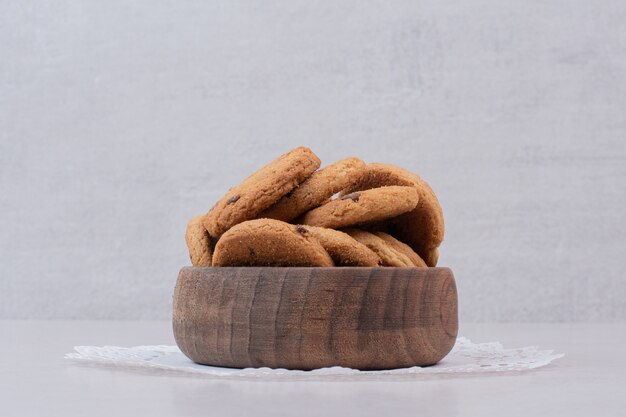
{"points": [[306, 318]]}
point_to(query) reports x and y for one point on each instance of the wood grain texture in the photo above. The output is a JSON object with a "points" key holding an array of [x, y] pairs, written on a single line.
{"points": [[306, 318]]}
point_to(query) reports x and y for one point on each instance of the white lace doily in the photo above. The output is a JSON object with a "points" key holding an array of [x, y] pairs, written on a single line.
{"points": [[466, 357]]}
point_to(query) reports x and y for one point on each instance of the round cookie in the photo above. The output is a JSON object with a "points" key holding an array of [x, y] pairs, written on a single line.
{"points": [[268, 242], [422, 228], [199, 242], [363, 207], [320, 186], [431, 256], [388, 255], [344, 250], [261, 189], [403, 248]]}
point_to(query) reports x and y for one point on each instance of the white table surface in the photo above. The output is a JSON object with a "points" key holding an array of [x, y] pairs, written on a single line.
{"points": [[35, 380]]}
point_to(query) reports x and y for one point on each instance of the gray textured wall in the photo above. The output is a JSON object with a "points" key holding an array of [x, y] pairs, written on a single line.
{"points": [[118, 122]]}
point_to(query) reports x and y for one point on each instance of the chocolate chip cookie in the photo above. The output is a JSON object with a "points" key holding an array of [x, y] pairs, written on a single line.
{"points": [[199, 242], [431, 256], [403, 248], [260, 190], [422, 228], [342, 248], [316, 189], [268, 242], [388, 255], [363, 207]]}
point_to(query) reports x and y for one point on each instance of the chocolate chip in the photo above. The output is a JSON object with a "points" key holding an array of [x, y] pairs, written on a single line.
{"points": [[233, 199], [302, 230], [251, 252], [352, 196]]}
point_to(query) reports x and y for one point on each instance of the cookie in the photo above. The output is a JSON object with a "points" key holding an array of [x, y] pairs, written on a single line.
{"points": [[363, 207], [320, 186], [343, 249], [422, 228], [199, 242], [268, 242], [403, 248], [260, 190], [388, 255], [431, 256]]}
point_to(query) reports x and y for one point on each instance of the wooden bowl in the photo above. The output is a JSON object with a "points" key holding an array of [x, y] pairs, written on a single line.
{"points": [[306, 318]]}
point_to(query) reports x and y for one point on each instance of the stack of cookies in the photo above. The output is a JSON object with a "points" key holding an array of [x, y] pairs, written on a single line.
{"points": [[291, 213]]}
